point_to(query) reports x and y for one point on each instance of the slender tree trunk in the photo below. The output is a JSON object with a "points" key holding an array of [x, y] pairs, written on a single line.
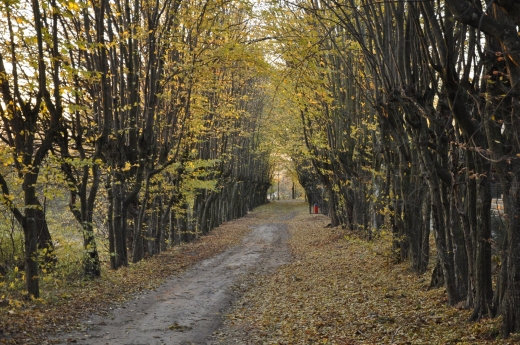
{"points": [[119, 226], [30, 228], [422, 264], [110, 217]]}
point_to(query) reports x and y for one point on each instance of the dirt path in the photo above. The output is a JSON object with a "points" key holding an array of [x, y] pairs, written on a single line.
{"points": [[187, 309]]}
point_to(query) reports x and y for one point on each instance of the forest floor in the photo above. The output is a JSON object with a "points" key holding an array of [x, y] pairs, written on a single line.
{"points": [[277, 276], [341, 289]]}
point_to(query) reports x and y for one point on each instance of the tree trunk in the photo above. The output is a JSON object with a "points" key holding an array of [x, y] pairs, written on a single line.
{"points": [[30, 229], [439, 219], [484, 290], [417, 220], [119, 226], [91, 264], [424, 257], [459, 251], [510, 304]]}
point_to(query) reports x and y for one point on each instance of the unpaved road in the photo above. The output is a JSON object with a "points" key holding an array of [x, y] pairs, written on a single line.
{"points": [[187, 309]]}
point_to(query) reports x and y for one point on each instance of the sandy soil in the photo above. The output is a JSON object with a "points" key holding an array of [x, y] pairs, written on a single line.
{"points": [[189, 308]]}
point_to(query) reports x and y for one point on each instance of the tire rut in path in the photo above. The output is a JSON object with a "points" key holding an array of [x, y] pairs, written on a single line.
{"points": [[187, 309]]}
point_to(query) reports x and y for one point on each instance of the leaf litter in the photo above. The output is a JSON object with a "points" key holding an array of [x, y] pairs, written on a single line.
{"points": [[338, 289], [62, 306], [342, 289]]}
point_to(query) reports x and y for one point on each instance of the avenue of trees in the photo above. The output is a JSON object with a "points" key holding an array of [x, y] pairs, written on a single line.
{"points": [[410, 114], [145, 112], [163, 117]]}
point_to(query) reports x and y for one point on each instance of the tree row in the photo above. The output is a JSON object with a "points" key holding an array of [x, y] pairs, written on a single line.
{"points": [[145, 112], [410, 125]]}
